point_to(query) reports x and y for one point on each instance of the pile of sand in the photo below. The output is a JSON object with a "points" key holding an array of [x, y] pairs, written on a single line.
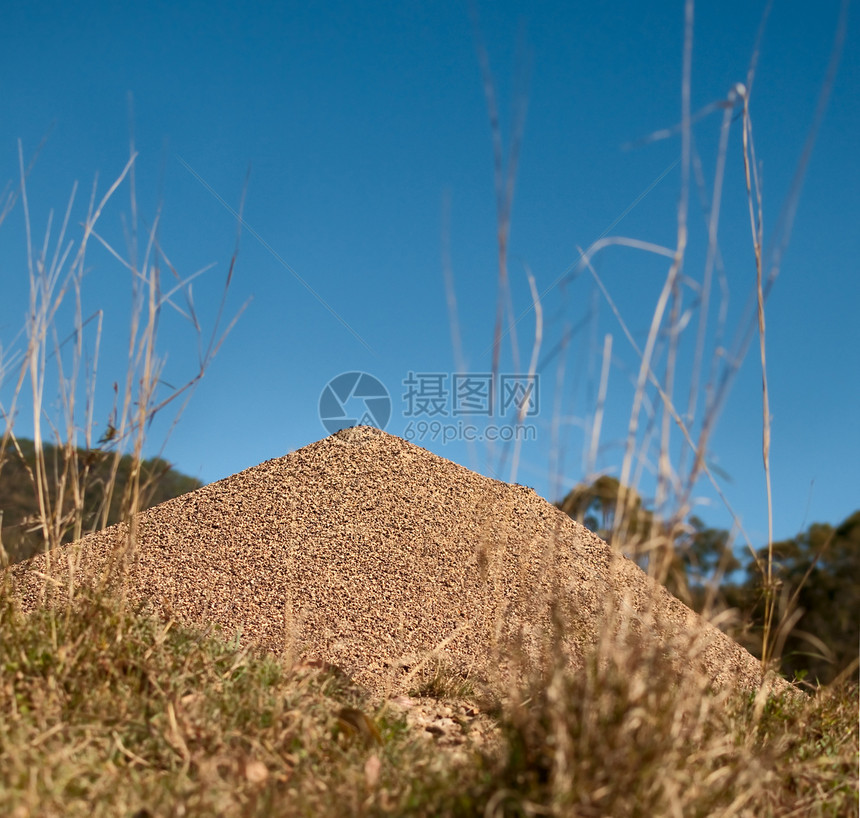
{"points": [[368, 552]]}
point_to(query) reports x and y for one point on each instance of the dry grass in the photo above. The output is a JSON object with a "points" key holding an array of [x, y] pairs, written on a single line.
{"points": [[106, 711], [55, 356], [126, 715], [628, 736]]}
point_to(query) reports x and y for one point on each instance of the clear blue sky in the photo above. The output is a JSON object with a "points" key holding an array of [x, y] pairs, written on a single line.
{"points": [[358, 121]]}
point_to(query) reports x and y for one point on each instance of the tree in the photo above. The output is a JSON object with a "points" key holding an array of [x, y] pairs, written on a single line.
{"points": [[595, 505], [817, 575], [819, 584], [706, 553], [647, 541]]}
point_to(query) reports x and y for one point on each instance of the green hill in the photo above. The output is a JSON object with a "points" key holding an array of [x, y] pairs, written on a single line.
{"points": [[19, 505]]}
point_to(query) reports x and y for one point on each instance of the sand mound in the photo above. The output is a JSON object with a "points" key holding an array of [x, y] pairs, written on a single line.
{"points": [[370, 553]]}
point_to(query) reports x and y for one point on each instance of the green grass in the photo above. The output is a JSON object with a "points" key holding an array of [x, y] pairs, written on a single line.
{"points": [[106, 712]]}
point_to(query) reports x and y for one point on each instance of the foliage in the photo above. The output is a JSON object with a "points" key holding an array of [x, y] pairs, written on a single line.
{"points": [[625, 736], [819, 578], [706, 553], [595, 507], [103, 476], [684, 557], [106, 712]]}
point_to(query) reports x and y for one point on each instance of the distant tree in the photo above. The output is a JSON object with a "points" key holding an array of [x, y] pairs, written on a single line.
{"points": [[638, 535], [706, 553], [817, 573], [595, 507], [102, 498], [819, 577]]}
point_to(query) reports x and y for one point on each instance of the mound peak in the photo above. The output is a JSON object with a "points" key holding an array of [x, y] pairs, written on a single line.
{"points": [[370, 553]]}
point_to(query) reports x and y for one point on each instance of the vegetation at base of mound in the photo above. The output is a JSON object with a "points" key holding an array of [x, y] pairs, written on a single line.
{"points": [[106, 711]]}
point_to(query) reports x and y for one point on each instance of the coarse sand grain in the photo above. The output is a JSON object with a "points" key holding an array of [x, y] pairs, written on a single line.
{"points": [[369, 553]]}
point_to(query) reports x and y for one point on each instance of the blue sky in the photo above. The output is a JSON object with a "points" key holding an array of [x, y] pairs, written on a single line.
{"points": [[359, 125]]}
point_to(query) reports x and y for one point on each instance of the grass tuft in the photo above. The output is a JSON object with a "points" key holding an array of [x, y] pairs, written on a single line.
{"points": [[626, 736], [132, 716]]}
